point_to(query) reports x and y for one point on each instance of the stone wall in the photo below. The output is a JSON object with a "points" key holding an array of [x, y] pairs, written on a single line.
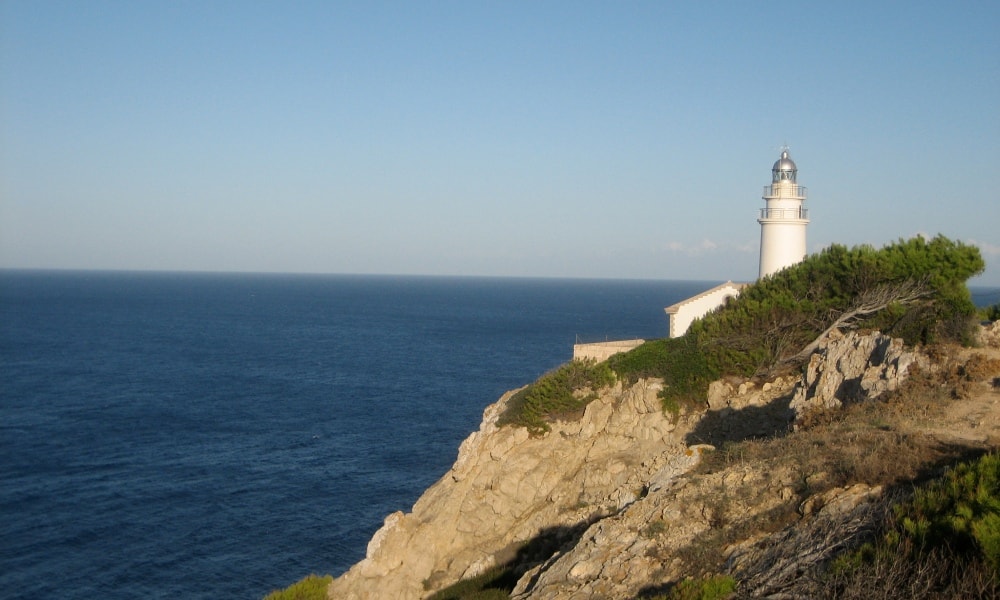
{"points": [[601, 351]]}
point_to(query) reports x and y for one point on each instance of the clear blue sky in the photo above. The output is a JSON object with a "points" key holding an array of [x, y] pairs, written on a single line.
{"points": [[567, 139]]}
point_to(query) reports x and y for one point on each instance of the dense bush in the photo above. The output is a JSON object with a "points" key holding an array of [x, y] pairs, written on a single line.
{"points": [[961, 510], [947, 537], [680, 362], [556, 394], [914, 289]]}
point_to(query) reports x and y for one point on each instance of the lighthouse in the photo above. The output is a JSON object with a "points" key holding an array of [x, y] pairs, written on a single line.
{"points": [[783, 223], [783, 219]]}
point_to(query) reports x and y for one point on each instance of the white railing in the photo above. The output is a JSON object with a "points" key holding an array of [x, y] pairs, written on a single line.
{"points": [[784, 213], [784, 191]]}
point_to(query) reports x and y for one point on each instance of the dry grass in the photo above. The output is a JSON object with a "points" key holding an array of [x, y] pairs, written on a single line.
{"points": [[934, 575], [887, 443], [962, 371], [980, 367], [862, 443]]}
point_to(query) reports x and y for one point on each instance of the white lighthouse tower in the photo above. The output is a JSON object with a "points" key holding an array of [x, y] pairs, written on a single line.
{"points": [[783, 220]]}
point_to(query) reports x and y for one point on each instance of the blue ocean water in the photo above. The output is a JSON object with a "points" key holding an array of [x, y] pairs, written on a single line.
{"points": [[170, 435]]}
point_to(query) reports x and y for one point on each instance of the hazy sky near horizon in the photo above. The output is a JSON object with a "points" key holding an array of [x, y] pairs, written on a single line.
{"points": [[551, 138]]}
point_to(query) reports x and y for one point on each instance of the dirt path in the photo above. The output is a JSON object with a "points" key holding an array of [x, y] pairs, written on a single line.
{"points": [[974, 419]]}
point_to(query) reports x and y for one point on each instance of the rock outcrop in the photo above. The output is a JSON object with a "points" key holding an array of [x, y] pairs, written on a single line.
{"points": [[989, 335], [853, 367], [508, 489], [607, 506]]}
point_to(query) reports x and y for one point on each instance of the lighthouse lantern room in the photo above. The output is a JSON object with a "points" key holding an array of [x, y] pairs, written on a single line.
{"points": [[783, 219]]}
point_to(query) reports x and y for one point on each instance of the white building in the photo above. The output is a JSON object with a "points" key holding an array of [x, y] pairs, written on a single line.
{"points": [[783, 223], [685, 312]]}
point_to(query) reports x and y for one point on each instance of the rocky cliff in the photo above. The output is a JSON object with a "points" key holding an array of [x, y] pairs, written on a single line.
{"points": [[627, 500]]}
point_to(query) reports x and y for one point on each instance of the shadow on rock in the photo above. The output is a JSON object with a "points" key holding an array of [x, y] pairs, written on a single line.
{"points": [[718, 427], [514, 563]]}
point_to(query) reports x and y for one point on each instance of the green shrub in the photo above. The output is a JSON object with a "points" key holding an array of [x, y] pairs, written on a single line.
{"points": [[681, 364], [654, 529], [312, 587], [670, 406], [918, 285], [961, 510], [956, 515], [914, 289], [716, 587], [556, 394]]}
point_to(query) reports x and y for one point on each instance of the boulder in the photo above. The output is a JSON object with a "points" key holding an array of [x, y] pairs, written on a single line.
{"points": [[853, 367]]}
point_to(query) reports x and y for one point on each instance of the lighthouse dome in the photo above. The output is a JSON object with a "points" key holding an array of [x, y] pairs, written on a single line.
{"points": [[784, 168]]}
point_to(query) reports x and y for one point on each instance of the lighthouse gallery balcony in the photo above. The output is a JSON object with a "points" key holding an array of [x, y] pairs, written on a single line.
{"points": [[784, 190], [784, 213]]}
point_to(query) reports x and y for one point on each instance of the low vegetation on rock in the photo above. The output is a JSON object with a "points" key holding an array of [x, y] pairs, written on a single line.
{"points": [[953, 520], [312, 587], [559, 393], [716, 587]]}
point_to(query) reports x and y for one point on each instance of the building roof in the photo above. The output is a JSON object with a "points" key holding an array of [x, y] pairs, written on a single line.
{"points": [[785, 163], [673, 308]]}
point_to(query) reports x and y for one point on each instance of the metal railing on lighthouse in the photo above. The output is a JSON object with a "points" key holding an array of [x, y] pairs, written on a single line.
{"points": [[784, 190], [784, 213]]}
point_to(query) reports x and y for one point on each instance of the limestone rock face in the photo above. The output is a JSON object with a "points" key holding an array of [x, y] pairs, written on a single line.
{"points": [[989, 335], [739, 395], [603, 506], [852, 367], [625, 552], [507, 488]]}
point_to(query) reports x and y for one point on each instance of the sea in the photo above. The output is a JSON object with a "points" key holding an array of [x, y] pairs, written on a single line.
{"points": [[193, 435]]}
